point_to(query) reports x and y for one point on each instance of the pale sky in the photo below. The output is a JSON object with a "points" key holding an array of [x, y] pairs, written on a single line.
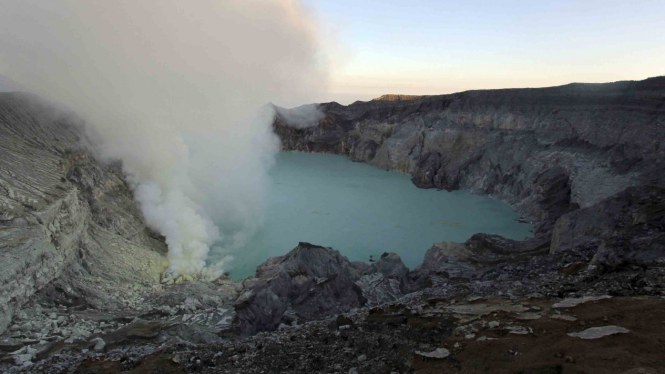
{"points": [[434, 47], [376, 47]]}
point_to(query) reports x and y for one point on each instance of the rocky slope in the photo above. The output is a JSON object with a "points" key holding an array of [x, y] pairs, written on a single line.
{"points": [[474, 335], [63, 212]]}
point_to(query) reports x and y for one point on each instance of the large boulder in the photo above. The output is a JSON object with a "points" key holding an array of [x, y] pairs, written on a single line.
{"points": [[385, 280], [312, 281]]}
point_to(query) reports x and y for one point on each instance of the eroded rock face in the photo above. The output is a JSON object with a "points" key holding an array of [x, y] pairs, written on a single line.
{"points": [[475, 258], [628, 228], [63, 215], [312, 281], [546, 151]]}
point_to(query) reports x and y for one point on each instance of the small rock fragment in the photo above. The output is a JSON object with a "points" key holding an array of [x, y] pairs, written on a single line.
{"points": [[564, 317], [21, 359], [484, 338], [519, 330], [599, 332], [573, 302], [528, 316], [437, 353], [100, 345]]}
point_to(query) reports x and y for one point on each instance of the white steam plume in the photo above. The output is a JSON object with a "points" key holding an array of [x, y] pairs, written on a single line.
{"points": [[171, 88], [303, 116]]}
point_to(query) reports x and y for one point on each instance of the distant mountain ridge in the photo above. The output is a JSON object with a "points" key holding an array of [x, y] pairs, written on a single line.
{"points": [[398, 97]]}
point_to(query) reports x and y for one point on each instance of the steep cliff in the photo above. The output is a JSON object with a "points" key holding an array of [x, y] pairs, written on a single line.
{"points": [[63, 212], [547, 151]]}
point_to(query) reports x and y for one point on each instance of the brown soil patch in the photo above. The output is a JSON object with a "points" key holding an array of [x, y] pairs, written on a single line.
{"points": [[152, 364], [550, 350]]}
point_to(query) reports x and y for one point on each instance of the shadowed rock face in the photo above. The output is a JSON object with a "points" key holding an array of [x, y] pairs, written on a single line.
{"points": [[312, 281], [546, 151], [628, 228], [555, 154], [62, 212]]}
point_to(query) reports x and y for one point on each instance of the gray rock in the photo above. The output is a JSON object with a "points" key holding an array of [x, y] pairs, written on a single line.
{"points": [[439, 353], [62, 211], [573, 302], [313, 280], [100, 345], [527, 316], [625, 229], [390, 265], [291, 281], [563, 317], [518, 330], [377, 289], [599, 332], [20, 359]]}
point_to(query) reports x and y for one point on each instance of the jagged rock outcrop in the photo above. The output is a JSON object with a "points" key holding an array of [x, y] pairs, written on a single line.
{"points": [[628, 228], [477, 256], [385, 280], [64, 213], [312, 281]]}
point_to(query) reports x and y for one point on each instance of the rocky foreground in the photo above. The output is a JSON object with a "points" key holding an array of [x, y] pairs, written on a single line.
{"points": [[80, 288]]}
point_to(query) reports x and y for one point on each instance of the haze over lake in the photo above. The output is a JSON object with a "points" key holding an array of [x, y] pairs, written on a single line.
{"points": [[360, 211]]}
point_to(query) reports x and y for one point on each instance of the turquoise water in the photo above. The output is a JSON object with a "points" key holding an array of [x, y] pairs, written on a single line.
{"points": [[360, 211]]}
